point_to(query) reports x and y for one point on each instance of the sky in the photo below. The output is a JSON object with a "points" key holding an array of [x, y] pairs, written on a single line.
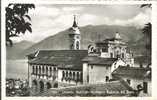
{"points": [[49, 19]]}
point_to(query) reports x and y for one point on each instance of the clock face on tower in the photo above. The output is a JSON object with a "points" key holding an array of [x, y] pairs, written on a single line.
{"points": [[77, 45]]}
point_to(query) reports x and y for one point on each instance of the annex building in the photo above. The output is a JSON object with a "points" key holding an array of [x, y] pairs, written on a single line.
{"points": [[100, 63]]}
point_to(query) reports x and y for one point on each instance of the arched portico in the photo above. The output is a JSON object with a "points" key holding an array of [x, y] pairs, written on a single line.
{"points": [[41, 86], [34, 86], [48, 85]]}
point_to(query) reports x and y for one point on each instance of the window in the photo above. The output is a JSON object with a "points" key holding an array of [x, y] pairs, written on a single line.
{"points": [[81, 76], [91, 66], [107, 78], [145, 87], [46, 70], [70, 74], [78, 76], [87, 78], [111, 55], [129, 82], [63, 73], [50, 71], [73, 75], [77, 45], [39, 69], [54, 69], [33, 70], [66, 73], [43, 69], [36, 70], [122, 55]]}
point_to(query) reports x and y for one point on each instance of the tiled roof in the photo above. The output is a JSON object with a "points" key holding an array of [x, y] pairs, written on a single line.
{"points": [[61, 58], [95, 60], [133, 72], [143, 59]]}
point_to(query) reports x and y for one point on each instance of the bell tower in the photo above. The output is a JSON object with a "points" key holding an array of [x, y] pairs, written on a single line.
{"points": [[74, 36]]}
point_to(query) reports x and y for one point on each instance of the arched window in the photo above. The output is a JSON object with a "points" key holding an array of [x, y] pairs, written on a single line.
{"points": [[81, 76], [34, 86], [48, 86], [33, 70], [63, 74], [46, 70], [66, 73], [73, 75], [122, 55], [77, 45], [77, 76], [43, 69], [54, 69], [40, 70], [50, 71], [36, 70], [70, 74], [107, 78], [111, 55], [41, 86]]}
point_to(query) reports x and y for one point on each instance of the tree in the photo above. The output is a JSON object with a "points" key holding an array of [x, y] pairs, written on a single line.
{"points": [[17, 20], [146, 5], [147, 31]]}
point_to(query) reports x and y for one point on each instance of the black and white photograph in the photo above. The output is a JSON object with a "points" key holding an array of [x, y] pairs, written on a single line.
{"points": [[78, 50]]}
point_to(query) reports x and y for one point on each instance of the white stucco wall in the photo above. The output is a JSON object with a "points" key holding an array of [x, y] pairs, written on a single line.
{"points": [[98, 73], [85, 72]]}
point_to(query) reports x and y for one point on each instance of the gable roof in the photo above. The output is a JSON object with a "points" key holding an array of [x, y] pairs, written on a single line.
{"points": [[95, 60], [62, 58], [132, 72]]}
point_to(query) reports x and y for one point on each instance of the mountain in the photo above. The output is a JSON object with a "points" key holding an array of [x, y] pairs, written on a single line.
{"points": [[14, 52], [89, 35]]}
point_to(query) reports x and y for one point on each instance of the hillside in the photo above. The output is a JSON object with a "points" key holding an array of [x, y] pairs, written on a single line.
{"points": [[14, 51], [89, 35]]}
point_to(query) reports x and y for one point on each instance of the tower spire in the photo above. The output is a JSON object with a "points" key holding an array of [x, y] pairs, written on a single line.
{"points": [[74, 23]]}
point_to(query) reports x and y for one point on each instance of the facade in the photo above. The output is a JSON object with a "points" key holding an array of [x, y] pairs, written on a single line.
{"points": [[55, 68], [98, 70]]}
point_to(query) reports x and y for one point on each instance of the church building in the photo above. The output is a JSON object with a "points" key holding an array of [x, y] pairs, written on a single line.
{"points": [[60, 68]]}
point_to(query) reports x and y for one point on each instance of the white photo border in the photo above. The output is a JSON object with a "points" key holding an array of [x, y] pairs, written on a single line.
{"points": [[154, 48]]}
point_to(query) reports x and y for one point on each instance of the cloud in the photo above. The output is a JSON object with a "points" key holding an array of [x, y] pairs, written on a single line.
{"points": [[45, 11], [49, 20], [138, 21], [72, 8]]}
